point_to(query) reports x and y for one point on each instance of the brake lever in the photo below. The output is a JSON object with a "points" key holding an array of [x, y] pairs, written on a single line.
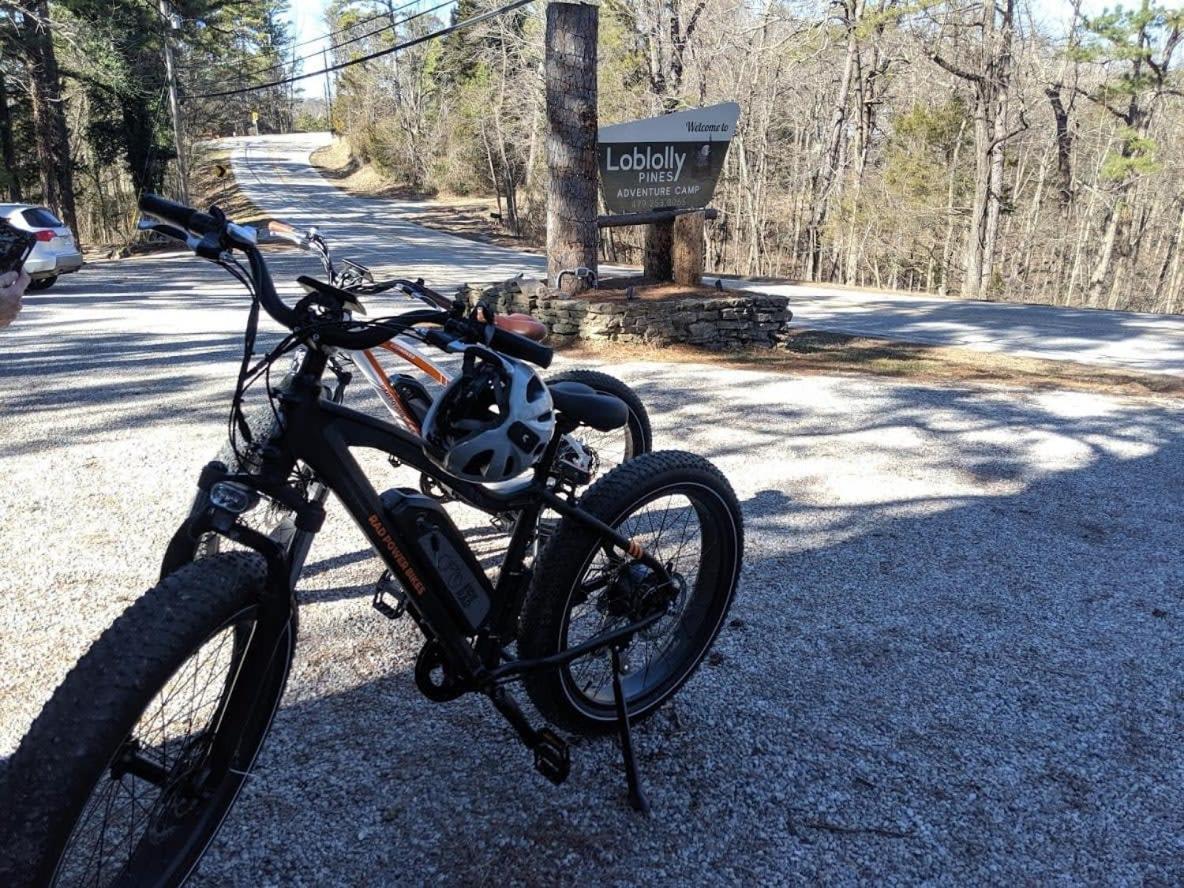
{"points": [[170, 231], [209, 247]]}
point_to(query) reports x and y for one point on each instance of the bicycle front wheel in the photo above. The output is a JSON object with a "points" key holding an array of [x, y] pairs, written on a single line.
{"points": [[128, 772]]}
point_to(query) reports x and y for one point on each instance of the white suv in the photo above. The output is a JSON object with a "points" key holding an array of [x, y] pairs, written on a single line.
{"points": [[55, 254]]}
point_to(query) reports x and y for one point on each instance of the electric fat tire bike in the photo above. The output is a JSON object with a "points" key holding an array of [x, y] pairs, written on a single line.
{"points": [[584, 454], [129, 770]]}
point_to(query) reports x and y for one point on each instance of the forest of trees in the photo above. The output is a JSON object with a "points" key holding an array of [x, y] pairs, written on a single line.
{"points": [[1017, 149], [84, 112], [1013, 149]]}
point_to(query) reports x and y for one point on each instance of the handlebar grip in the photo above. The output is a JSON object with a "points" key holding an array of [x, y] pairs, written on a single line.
{"points": [[178, 214], [520, 347]]}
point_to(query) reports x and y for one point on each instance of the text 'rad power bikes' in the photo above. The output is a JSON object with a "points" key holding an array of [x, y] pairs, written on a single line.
{"points": [[128, 772]]}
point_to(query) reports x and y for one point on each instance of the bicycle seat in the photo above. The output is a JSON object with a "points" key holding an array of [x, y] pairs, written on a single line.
{"points": [[522, 324], [590, 407]]}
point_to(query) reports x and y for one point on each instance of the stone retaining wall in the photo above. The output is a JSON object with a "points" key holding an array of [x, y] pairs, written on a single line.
{"points": [[732, 321]]}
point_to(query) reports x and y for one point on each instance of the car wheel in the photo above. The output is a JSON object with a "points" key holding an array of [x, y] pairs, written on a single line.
{"points": [[42, 283]]}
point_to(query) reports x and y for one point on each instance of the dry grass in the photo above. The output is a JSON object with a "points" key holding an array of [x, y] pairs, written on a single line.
{"points": [[816, 352], [463, 215], [647, 290], [212, 181]]}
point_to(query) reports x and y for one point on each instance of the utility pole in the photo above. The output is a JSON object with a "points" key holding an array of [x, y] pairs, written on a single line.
{"points": [[328, 90], [174, 105], [390, 13]]}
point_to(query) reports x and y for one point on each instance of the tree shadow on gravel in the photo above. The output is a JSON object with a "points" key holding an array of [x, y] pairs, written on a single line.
{"points": [[972, 680], [112, 382], [988, 691], [766, 413]]}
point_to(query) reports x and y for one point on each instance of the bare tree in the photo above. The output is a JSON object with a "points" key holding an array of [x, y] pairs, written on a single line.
{"points": [[666, 29], [988, 70], [51, 137]]}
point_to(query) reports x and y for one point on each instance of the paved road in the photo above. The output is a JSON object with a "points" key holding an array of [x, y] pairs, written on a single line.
{"points": [[274, 170], [955, 654], [1126, 340]]}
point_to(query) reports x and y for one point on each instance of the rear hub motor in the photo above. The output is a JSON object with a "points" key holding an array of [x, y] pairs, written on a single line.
{"points": [[638, 592]]}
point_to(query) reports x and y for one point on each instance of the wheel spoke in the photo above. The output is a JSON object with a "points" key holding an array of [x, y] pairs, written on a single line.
{"points": [[136, 789]]}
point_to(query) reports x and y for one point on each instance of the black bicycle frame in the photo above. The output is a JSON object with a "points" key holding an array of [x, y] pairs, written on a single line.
{"points": [[320, 434]]}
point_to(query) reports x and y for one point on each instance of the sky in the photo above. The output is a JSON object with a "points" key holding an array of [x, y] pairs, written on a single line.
{"points": [[308, 19]]}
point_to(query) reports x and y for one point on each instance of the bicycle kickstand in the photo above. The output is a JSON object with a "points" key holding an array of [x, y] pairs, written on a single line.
{"points": [[637, 799]]}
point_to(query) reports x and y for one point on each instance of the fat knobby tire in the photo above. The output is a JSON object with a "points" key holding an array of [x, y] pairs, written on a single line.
{"points": [[51, 775], [543, 611]]}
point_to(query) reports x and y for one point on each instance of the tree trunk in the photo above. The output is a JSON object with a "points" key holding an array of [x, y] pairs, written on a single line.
{"points": [[143, 161], [1064, 149], [1175, 278], [688, 250], [7, 154], [535, 126], [1162, 295], [658, 263], [49, 116], [990, 82], [1101, 272], [571, 140], [827, 171], [994, 192], [973, 272]]}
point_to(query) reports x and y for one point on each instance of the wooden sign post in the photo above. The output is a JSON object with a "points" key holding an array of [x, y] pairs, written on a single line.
{"points": [[571, 142]]}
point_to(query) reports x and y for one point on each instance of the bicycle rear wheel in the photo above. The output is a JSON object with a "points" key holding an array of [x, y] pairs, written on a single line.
{"points": [[117, 781], [681, 510], [620, 445]]}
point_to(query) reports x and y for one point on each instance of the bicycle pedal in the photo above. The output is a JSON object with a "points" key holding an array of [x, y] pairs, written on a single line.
{"points": [[504, 522], [552, 756], [386, 586]]}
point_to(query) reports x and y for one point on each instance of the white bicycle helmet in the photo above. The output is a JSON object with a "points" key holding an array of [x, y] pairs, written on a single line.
{"points": [[492, 422]]}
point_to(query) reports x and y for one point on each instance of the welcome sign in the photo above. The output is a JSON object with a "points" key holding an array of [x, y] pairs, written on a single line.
{"points": [[667, 162]]}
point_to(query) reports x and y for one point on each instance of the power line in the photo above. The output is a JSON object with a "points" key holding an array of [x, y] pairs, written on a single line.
{"points": [[329, 36], [443, 32], [294, 62], [350, 27]]}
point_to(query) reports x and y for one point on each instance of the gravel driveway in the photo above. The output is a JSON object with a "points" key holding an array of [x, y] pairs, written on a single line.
{"points": [[955, 654]]}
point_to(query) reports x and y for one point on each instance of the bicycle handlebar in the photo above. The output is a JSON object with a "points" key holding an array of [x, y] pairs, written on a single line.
{"points": [[179, 215], [225, 235], [468, 330]]}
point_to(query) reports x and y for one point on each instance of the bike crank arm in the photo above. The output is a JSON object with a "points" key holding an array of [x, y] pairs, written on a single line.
{"points": [[551, 755], [552, 758]]}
